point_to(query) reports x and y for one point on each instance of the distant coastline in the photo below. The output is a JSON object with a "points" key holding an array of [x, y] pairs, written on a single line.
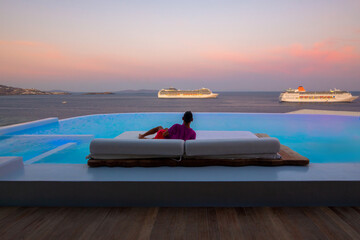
{"points": [[7, 90], [98, 93]]}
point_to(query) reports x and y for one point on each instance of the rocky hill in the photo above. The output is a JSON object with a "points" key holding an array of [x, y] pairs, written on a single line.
{"points": [[6, 90]]}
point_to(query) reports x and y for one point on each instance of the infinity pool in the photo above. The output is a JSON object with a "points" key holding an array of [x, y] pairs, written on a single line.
{"points": [[321, 138]]}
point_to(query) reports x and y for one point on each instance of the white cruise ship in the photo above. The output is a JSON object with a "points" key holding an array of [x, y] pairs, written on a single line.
{"points": [[301, 95], [177, 93]]}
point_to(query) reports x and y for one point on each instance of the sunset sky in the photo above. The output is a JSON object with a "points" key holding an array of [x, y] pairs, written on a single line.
{"points": [[223, 45]]}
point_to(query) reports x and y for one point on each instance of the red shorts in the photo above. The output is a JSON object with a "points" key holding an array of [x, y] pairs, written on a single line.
{"points": [[159, 134]]}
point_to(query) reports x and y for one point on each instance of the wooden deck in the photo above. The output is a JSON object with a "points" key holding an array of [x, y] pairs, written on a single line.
{"points": [[180, 223]]}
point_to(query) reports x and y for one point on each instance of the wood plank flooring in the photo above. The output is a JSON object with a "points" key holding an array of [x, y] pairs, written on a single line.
{"points": [[180, 223]]}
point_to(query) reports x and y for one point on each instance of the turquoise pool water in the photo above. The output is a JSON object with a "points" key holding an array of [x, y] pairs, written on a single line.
{"points": [[322, 138]]}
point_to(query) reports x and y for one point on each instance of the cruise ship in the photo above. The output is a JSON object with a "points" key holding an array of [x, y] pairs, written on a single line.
{"points": [[177, 93], [301, 95]]}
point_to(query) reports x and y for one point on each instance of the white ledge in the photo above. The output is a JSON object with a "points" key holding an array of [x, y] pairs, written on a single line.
{"points": [[27, 125], [10, 164]]}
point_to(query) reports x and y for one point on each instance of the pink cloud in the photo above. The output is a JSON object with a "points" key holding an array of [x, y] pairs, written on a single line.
{"points": [[322, 51], [34, 60], [319, 58]]}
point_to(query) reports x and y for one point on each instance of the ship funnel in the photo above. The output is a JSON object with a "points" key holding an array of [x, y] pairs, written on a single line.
{"points": [[301, 89]]}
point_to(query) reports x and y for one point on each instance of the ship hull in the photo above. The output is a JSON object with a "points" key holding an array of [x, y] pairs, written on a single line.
{"points": [[319, 100], [213, 95]]}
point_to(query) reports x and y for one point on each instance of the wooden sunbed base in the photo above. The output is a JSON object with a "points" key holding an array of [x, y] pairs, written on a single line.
{"points": [[288, 157]]}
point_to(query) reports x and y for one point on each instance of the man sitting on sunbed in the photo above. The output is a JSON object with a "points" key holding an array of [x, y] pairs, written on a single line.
{"points": [[176, 131]]}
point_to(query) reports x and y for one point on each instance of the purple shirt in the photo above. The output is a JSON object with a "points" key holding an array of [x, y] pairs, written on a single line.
{"points": [[178, 131]]}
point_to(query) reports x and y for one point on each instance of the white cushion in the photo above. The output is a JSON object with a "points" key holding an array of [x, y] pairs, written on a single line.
{"points": [[242, 146], [224, 134], [135, 148], [209, 144]]}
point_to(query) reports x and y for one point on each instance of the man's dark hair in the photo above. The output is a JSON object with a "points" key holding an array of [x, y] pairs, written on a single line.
{"points": [[188, 116]]}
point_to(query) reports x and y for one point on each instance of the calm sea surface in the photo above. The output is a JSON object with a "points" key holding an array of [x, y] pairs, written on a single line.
{"points": [[16, 109]]}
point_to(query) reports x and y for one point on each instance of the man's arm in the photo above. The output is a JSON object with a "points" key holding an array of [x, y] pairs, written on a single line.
{"points": [[166, 132]]}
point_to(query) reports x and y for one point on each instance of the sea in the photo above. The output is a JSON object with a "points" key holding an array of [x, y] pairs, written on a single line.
{"points": [[17, 109]]}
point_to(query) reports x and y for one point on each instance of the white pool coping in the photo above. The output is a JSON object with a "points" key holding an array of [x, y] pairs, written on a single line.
{"points": [[9, 165], [23, 126], [81, 172]]}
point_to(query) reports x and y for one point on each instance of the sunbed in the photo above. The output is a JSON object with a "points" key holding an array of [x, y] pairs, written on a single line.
{"points": [[211, 148]]}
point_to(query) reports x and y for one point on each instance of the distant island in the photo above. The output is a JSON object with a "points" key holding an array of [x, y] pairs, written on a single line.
{"points": [[6, 90], [137, 91], [98, 93]]}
